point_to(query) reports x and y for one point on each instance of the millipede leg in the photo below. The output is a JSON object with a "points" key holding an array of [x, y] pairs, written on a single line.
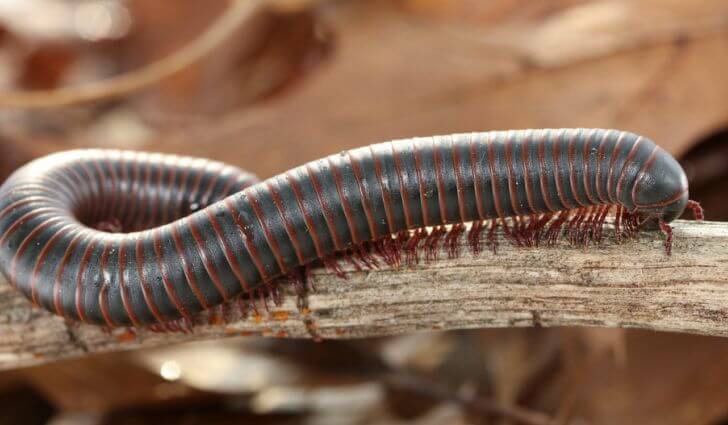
{"points": [[332, 264], [632, 222], [523, 227], [511, 233], [539, 233], [360, 258], [412, 247], [276, 294], [252, 301], [187, 325], [518, 232], [574, 228], [216, 315], [111, 225], [474, 236], [432, 242], [552, 234], [308, 321], [492, 241], [667, 231], [586, 231], [600, 223], [618, 223], [529, 230], [382, 249], [349, 257], [263, 297], [399, 244], [697, 210], [452, 238]]}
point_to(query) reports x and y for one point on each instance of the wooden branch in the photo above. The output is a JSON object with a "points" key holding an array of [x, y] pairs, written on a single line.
{"points": [[631, 284]]}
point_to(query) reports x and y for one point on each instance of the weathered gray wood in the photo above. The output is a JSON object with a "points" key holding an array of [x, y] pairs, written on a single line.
{"points": [[632, 284]]}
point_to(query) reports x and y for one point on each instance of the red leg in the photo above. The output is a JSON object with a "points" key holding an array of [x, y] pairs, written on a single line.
{"points": [[413, 245], [600, 223], [111, 225], [492, 241], [509, 233], [532, 230], [697, 210], [452, 239], [667, 231], [332, 264], [304, 310], [618, 223], [474, 236], [554, 231], [432, 242], [540, 231]]}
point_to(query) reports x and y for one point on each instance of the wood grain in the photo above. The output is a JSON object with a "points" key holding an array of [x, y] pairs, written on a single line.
{"points": [[631, 285]]}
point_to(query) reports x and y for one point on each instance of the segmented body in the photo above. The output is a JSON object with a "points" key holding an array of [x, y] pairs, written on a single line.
{"points": [[197, 233]]}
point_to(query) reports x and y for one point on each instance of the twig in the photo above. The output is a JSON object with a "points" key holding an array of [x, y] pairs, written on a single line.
{"points": [[433, 389], [219, 31], [631, 284]]}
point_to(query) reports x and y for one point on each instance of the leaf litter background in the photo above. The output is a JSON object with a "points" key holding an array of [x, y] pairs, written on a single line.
{"points": [[298, 79]]}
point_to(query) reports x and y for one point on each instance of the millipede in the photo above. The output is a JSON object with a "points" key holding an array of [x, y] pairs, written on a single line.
{"points": [[120, 238]]}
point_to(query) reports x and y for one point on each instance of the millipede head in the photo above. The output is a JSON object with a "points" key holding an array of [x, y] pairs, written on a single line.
{"points": [[661, 191]]}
